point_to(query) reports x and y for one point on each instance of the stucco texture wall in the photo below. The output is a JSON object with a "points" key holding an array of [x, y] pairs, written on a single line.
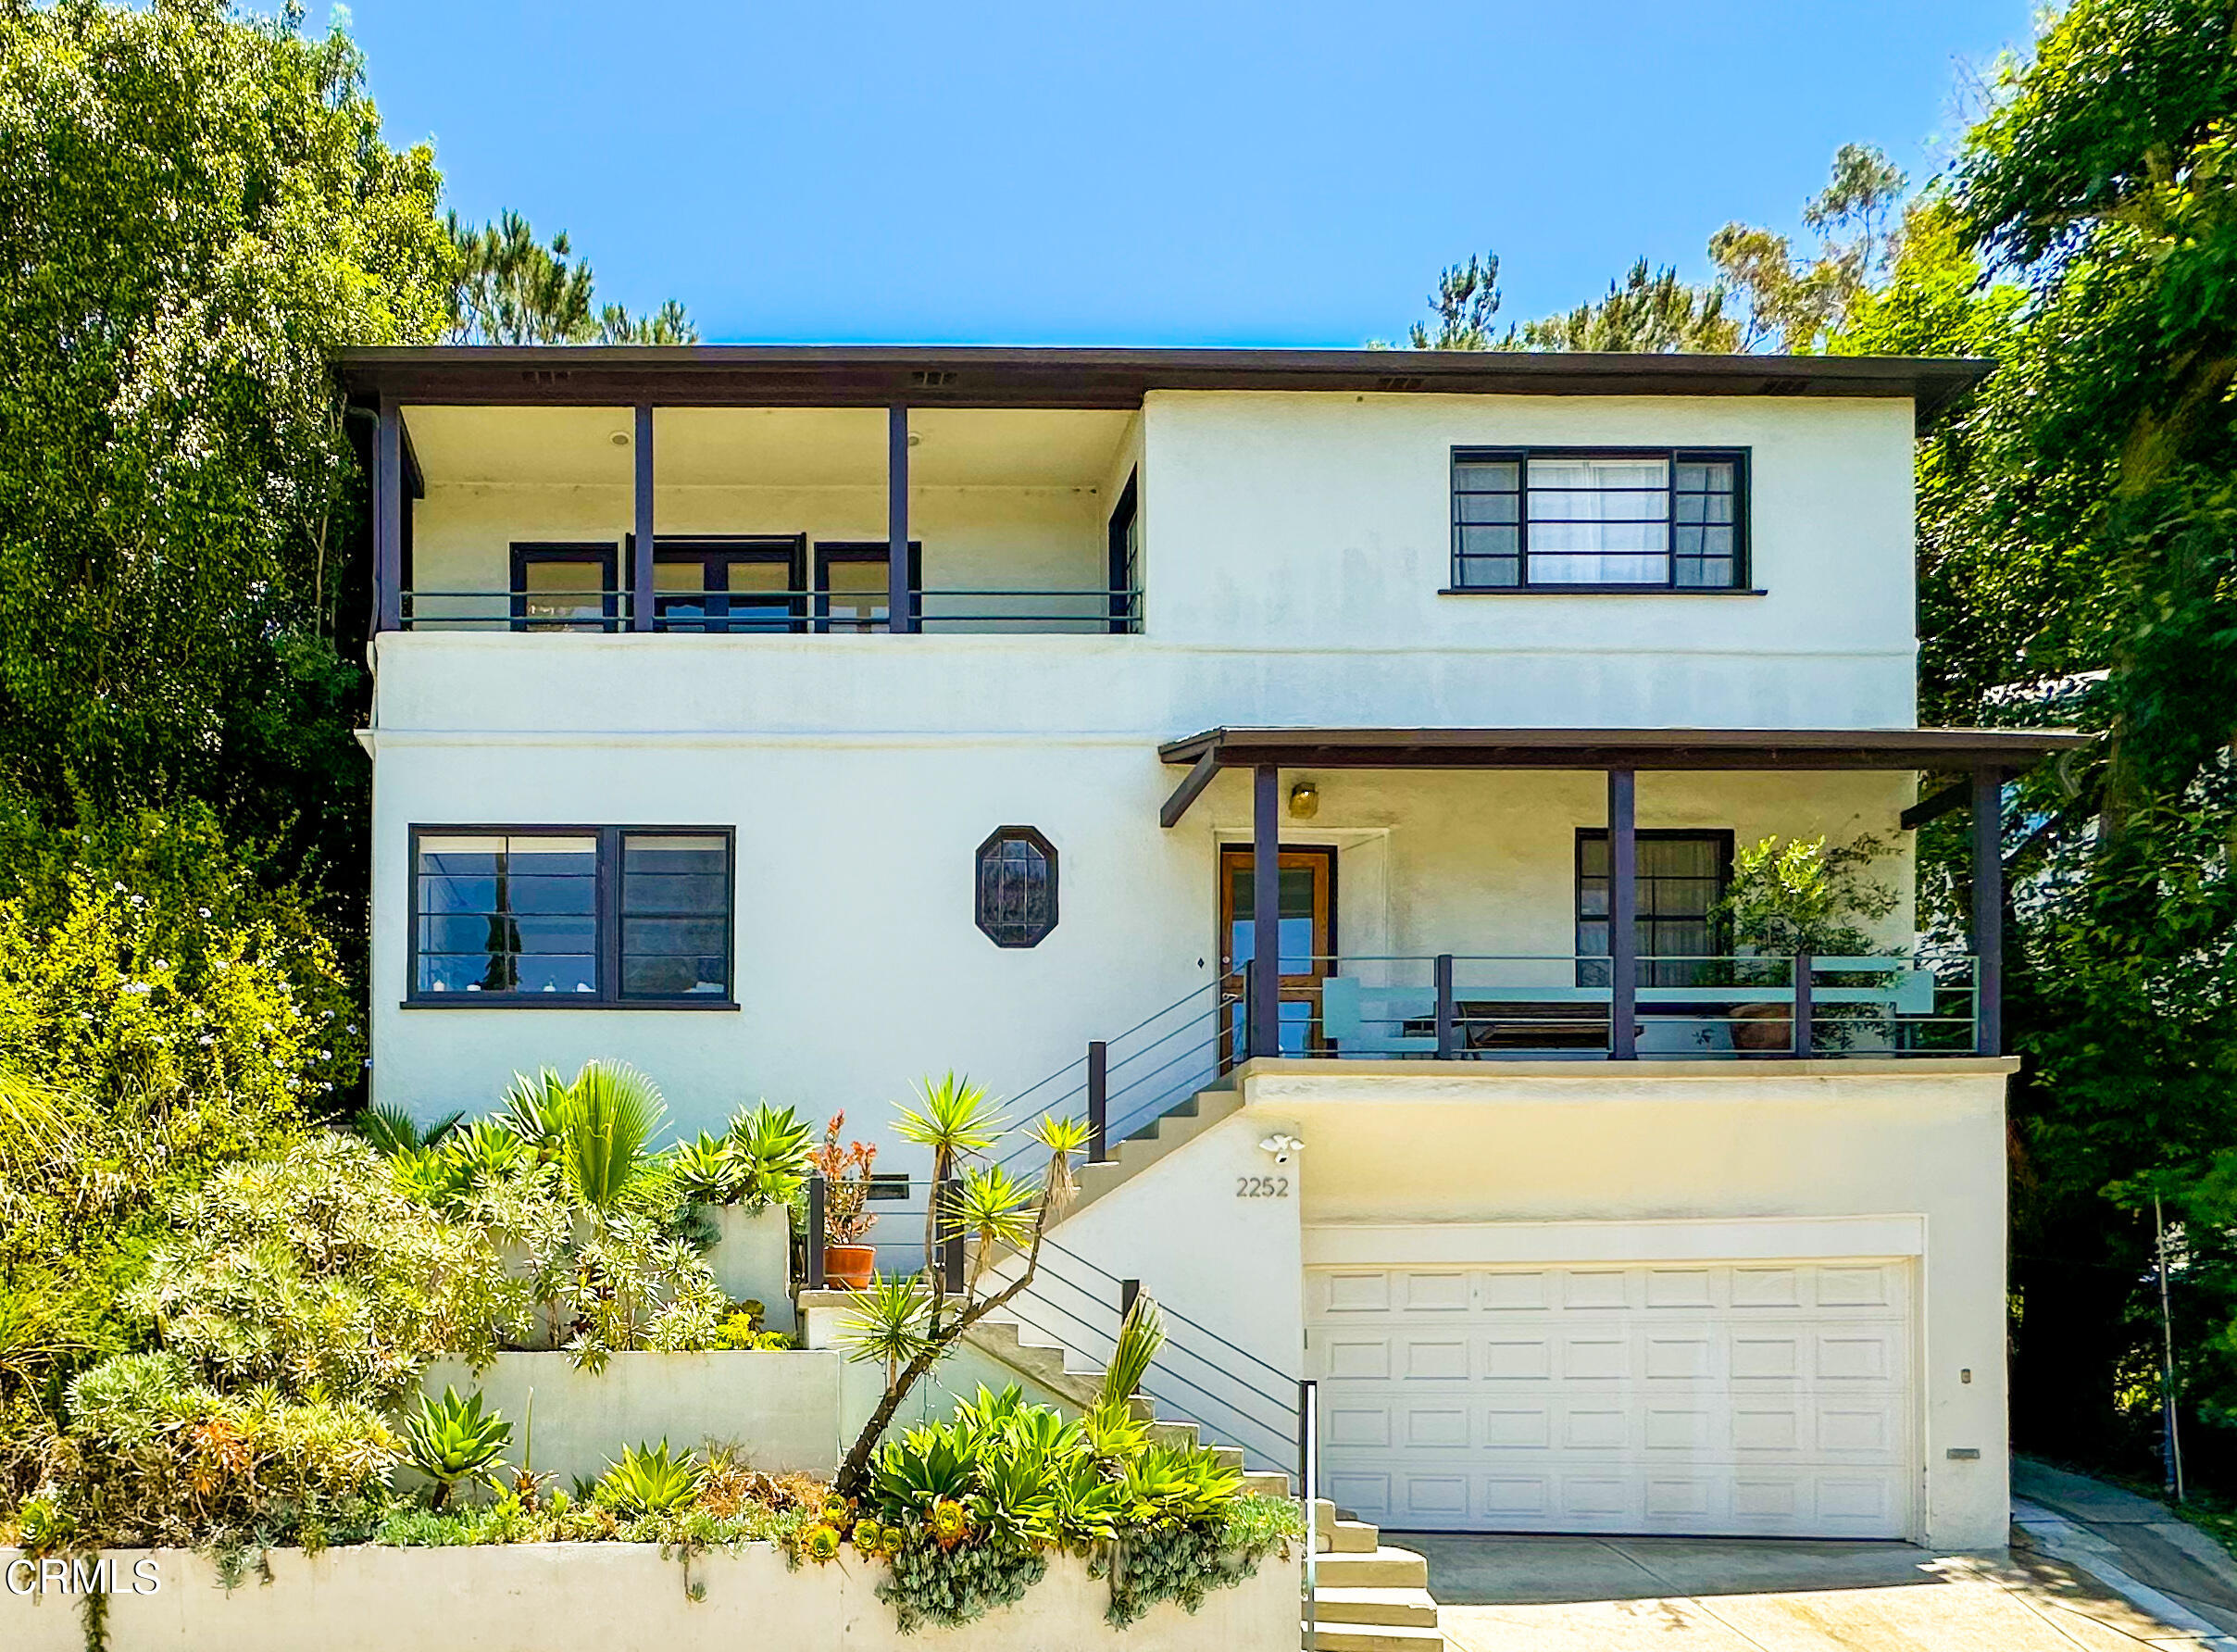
{"points": [[1727, 1155], [600, 1597]]}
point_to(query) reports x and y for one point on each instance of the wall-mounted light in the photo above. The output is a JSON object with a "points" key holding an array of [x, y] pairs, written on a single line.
{"points": [[1305, 800], [619, 438], [915, 439], [1283, 1146]]}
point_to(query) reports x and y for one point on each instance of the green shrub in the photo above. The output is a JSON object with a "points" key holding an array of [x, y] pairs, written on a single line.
{"points": [[314, 1272]]}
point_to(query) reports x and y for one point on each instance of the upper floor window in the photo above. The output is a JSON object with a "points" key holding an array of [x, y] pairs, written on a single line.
{"points": [[1559, 519], [574, 915]]}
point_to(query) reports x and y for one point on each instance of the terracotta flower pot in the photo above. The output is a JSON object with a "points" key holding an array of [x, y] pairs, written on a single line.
{"points": [[1762, 1027], [849, 1265]]}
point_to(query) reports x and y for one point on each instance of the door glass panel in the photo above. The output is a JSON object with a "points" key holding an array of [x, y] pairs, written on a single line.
{"points": [[563, 596], [679, 593], [857, 594], [1297, 884], [761, 596]]}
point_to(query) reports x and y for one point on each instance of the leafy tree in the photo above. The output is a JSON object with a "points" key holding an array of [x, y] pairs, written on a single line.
{"points": [[1464, 302], [1647, 311], [196, 209]]}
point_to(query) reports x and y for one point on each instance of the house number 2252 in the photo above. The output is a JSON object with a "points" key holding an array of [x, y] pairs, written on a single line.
{"points": [[1262, 1187]]}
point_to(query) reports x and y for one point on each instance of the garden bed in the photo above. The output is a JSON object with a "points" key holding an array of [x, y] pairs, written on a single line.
{"points": [[781, 1411], [597, 1596]]}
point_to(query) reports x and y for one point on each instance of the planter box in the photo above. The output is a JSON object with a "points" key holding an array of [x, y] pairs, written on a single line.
{"points": [[753, 1258], [595, 1598], [782, 1409]]}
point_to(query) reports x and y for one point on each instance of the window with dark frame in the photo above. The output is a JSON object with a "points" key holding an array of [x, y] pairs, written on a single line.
{"points": [[1681, 876], [566, 587], [731, 583], [1125, 534], [1015, 904], [854, 584], [578, 916], [1618, 519]]}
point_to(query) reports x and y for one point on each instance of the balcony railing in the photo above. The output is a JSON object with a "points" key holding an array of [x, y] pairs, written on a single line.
{"points": [[990, 610], [1483, 1007]]}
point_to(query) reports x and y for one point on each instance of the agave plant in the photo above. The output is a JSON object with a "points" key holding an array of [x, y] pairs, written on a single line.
{"points": [[530, 1110], [486, 1152], [454, 1439], [649, 1481], [705, 1170], [769, 1148]]}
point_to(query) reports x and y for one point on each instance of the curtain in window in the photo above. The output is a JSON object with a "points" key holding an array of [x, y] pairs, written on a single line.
{"points": [[1599, 521]]}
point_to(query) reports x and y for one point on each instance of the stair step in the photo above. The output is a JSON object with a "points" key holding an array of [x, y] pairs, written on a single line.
{"points": [[1226, 1457], [1267, 1485], [1410, 1607], [1353, 1537], [1377, 1637], [1378, 1569]]}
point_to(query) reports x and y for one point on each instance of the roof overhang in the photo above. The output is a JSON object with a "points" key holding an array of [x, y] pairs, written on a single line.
{"points": [[1653, 749], [790, 375]]}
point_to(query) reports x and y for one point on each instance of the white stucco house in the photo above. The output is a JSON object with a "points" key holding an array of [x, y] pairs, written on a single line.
{"points": [[792, 722]]}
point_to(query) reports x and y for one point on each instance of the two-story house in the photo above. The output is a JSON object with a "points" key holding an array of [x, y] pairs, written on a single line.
{"points": [[793, 722]]}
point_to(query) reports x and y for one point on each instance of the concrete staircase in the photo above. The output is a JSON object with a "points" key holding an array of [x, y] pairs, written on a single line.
{"points": [[1368, 1597]]}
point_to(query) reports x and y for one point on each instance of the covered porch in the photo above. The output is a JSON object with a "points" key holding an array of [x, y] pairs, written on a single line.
{"points": [[1633, 983]]}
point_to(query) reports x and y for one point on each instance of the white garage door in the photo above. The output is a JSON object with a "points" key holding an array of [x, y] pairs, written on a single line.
{"points": [[1749, 1399]]}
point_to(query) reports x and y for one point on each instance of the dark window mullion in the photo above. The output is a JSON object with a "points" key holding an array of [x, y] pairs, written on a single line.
{"points": [[610, 914]]}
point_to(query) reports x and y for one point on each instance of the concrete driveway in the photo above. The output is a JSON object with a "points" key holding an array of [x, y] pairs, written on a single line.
{"points": [[1693, 1594]]}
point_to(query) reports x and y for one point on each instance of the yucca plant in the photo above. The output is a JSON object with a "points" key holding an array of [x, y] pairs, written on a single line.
{"points": [[649, 1481], [886, 1323], [454, 1439], [1140, 1335], [993, 1208], [955, 1119]]}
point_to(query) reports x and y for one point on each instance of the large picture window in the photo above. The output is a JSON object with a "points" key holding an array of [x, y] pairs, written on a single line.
{"points": [[1681, 877], [1562, 520], [571, 917]]}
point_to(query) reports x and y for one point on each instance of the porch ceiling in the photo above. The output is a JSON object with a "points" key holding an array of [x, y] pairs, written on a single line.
{"points": [[1651, 749]]}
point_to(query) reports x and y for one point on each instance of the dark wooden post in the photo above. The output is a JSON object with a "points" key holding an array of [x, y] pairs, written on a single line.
{"points": [[1623, 916], [388, 517], [1098, 1101], [899, 611], [1988, 912], [1444, 1006], [1805, 1033], [816, 1197], [951, 1247], [641, 563], [1266, 910]]}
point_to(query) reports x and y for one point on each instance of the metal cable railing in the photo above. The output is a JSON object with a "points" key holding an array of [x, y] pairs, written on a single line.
{"points": [[1090, 610]]}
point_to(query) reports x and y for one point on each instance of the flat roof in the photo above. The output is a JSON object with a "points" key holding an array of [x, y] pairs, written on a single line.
{"points": [[990, 375], [1623, 748]]}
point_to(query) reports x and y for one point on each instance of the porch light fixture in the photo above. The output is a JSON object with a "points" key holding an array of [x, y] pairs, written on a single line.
{"points": [[619, 438], [1282, 1146], [1305, 800]]}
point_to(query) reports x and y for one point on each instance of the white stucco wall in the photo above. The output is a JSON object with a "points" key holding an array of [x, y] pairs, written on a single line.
{"points": [[1539, 1162], [599, 1597]]}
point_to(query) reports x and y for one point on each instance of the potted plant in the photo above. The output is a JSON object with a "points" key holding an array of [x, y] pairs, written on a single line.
{"points": [[1788, 898], [847, 1217]]}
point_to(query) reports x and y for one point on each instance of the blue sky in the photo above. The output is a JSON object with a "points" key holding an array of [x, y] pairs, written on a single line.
{"points": [[1156, 173]]}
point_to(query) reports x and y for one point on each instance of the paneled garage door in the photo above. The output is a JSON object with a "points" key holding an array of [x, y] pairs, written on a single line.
{"points": [[1749, 1399]]}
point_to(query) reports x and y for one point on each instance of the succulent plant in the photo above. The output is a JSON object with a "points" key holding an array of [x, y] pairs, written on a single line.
{"points": [[649, 1481], [452, 1439]]}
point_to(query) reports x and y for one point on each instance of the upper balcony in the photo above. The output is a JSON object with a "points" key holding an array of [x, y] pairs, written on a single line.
{"points": [[752, 521]]}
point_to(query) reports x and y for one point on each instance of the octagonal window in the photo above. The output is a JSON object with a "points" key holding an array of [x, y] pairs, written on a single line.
{"points": [[1015, 904]]}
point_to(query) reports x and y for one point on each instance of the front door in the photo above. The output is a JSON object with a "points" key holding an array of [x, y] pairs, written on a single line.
{"points": [[1308, 938]]}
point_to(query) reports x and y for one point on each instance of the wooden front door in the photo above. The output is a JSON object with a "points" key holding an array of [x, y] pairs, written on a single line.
{"points": [[1309, 937]]}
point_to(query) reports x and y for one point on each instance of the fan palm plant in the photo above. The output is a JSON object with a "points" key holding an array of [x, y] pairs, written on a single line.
{"points": [[607, 1118]]}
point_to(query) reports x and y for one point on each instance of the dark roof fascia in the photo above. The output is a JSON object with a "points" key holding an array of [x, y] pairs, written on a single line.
{"points": [[788, 375], [1665, 750]]}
